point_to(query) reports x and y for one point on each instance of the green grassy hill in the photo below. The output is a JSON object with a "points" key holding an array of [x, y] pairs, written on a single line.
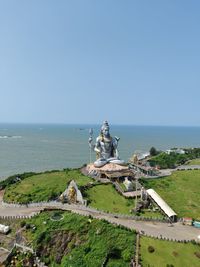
{"points": [[44, 186], [105, 197], [194, 162], [79, 241], [180, 191], [168, 254], [49, 185]]}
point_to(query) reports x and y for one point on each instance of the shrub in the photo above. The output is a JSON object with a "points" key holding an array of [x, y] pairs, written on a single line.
{"points": [[28, 226], [87, 250], [193, 242], [197, 254], [52, 195], [46, 260], [41, 237], [22, 224], [114, 253], [126, 255], [153, 151], [151, 249], [175, 253]]}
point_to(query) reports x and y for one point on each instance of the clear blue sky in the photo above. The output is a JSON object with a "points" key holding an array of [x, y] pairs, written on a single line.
{"points": [[70, 61]]}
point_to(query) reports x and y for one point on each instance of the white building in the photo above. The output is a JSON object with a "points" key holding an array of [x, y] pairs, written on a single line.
{"points": [[4, 229], [128, 184], [175, 150], [143, 155]]}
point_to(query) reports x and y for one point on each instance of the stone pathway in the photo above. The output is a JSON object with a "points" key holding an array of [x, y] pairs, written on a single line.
{"points": [[154, 229], [3, 254], [157, 229], [132, 194]]}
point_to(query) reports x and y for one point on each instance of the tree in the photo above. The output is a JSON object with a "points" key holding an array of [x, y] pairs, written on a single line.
{"points": [[153, 151]]}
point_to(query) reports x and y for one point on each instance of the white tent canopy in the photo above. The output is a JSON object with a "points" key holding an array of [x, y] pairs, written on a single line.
{"points": [[161, 203]]}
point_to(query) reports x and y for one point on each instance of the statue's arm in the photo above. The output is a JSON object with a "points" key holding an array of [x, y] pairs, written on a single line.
{"points": [[97, 147], [115, 144]]}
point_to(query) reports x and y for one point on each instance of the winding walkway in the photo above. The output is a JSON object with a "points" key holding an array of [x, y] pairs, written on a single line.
{"points": [[155, 229], [188, 167]]}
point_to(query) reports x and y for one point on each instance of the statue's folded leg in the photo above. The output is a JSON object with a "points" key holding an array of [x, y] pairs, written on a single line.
{"points": [[117, 161], [100, 163]]}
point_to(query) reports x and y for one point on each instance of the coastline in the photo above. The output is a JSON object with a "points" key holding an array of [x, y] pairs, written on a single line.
{"points": [[54, 146]]}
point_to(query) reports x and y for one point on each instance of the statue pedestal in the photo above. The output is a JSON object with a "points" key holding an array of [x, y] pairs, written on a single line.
{"points": [[109, 171]]}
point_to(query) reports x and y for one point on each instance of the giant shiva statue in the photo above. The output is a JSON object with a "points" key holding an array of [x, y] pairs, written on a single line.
{"points": [[105, 147]]}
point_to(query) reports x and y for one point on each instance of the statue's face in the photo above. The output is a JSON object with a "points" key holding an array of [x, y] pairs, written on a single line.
{"points": [[106, 131]]}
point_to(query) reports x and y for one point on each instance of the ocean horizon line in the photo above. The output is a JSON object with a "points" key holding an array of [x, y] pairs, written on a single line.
{"points": [[96, 124]]}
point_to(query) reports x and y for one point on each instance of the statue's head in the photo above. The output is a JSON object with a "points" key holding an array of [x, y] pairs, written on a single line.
{"points": [[105, 129]]}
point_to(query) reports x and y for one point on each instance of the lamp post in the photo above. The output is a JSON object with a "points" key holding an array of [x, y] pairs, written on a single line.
{"points": [[136, 194], [90, 142], [136, 186]]}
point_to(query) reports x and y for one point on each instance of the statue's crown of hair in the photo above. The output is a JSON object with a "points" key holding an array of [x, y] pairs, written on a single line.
{"points": [[104, 125]]}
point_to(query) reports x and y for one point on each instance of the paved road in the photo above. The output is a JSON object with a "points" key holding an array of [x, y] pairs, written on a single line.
{"points": [[188, 167], [3, 254], [156, 229]]}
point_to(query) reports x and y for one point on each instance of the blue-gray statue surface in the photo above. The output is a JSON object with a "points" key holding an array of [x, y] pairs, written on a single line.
{"points": [[106, 147]]}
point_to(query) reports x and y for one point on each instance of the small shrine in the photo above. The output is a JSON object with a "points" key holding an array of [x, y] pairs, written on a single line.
{"points": [[72, 194], [128, 184]]}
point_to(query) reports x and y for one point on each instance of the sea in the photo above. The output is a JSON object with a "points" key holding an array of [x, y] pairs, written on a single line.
{"points": [[40, 147]]}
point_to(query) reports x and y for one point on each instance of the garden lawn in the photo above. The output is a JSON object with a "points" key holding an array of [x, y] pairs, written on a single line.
{"points": [[194, 162], [106, 198], [180, 191], [151, 214], [43, 187], [169, 253]]}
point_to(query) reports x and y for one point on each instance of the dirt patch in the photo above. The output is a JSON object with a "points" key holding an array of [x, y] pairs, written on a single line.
{"points": [[197, 254], [58, 244], [1, 194], [175, 254]]}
